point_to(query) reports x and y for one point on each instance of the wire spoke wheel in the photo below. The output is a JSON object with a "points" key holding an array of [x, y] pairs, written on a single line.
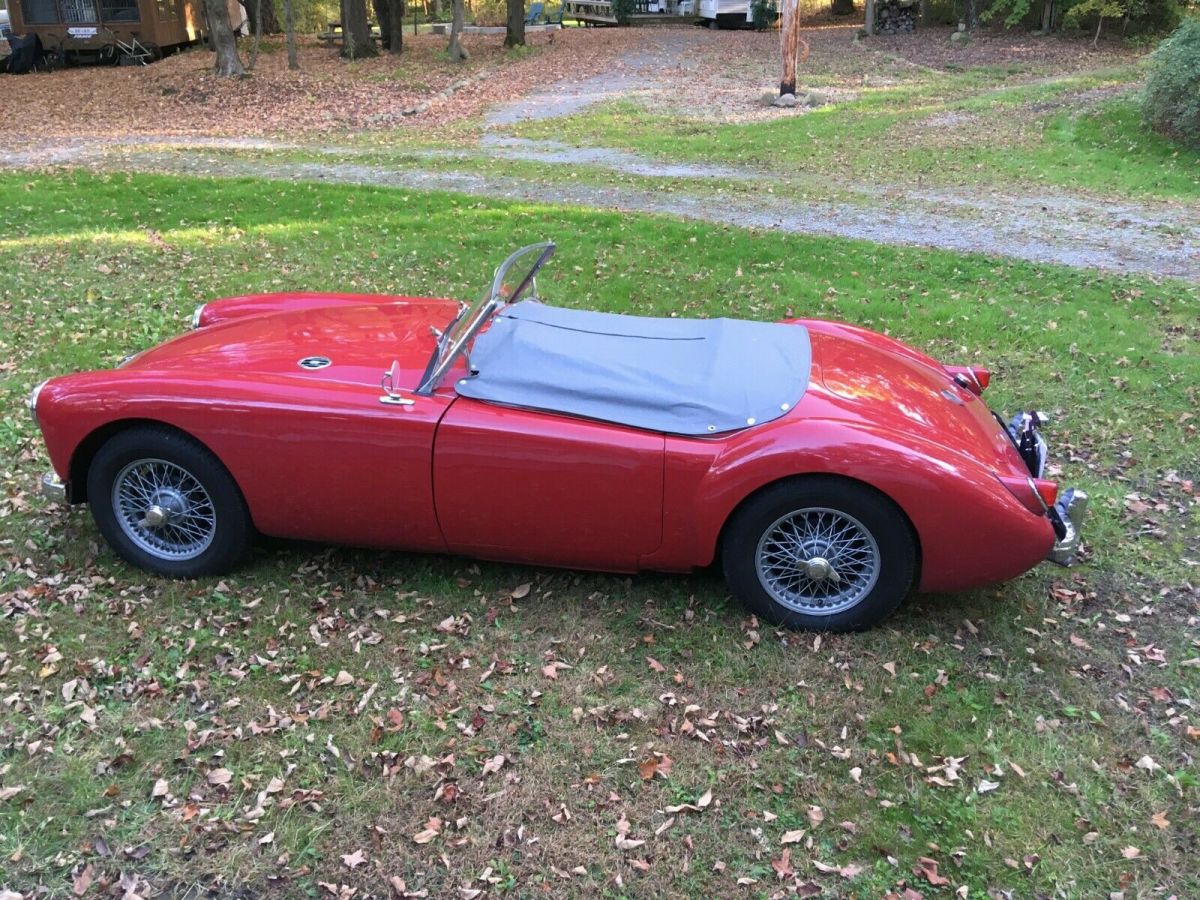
{"points": [[817, 561], [164, 509]]}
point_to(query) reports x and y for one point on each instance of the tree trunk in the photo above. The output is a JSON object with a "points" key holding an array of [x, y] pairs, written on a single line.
{"points": [[514, 36], [228, 63], [1048, 16], [396, 14], [972, 14], [356, 30], [789, 37], [390, 14], [869, 17], [843, 7], [270, 20], [258, 30], [1096, 39], [456, 50], [383, 15], [289, 20]]}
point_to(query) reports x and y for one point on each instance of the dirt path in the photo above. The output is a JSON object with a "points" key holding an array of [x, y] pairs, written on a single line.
{"points": [[1152, 238]]}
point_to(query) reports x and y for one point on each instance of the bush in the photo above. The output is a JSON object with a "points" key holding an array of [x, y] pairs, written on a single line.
{"points": [[1171, 101], [623, 11], [762, 14]]}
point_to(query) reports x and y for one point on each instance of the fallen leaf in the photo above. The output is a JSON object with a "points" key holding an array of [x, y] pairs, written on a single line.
{"points": [[7, 793], [431, 830], [220, 776], [928, 869], [792, 837], [1131, 853], [783, 865], [816, 815], [704, 800], [81, 882], [161, 789], [343, 678], [353, 860], [1159, 820], [655, 665]]}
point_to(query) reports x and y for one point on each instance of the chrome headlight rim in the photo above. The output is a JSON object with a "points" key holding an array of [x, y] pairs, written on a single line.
{"points": [[196, 314], [31, 401]]}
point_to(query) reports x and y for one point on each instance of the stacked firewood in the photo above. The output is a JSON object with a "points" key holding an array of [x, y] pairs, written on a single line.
{"points": [[896, 16]]}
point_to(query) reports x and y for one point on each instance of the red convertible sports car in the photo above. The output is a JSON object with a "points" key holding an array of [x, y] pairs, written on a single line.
{"points": [[830, 469]]}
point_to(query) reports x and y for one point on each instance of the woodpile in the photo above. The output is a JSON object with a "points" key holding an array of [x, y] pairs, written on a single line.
{"points": [[896, 16]]}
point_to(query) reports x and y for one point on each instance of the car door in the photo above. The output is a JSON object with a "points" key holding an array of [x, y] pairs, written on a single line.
{"points": [[533, 487]]}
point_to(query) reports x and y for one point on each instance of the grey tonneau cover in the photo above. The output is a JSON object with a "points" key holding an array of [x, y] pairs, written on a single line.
{"points": [[677, 376]]}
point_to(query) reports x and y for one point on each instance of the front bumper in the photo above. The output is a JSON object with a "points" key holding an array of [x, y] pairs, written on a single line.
{"points": [[1070, 510], [53, 489]]}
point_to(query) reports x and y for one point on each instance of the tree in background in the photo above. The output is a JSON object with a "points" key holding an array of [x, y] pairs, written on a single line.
{"points": [[390, 14], [220, 32], [455, 49], [514, 34], [289, 23], [356, 30], [258, 30], [264, 11], [1101, 9]]}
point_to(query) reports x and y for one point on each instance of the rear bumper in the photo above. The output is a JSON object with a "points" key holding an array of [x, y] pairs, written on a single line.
{"points": [[53, 489], [1071, 510]]}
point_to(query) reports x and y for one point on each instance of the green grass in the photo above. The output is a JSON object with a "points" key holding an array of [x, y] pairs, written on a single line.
{"points": [[966, 129], [112, 680]]}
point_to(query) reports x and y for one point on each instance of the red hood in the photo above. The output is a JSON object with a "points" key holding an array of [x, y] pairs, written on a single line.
{"points": [[360, 340], [863, 376]]}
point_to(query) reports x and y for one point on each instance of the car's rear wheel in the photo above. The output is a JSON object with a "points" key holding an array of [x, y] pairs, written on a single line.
{"points": [[820, 553], [165, 503]]}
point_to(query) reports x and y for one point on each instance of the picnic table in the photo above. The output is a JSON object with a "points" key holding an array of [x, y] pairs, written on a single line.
{"points": [[334, 34]]}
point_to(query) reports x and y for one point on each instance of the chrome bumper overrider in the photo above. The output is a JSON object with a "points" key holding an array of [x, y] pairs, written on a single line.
{"points": [[53, 489], [1071, 510]]}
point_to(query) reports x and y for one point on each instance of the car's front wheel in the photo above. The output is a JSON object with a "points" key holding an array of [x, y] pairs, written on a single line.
{"points": [[820, 553], [165, 503]]}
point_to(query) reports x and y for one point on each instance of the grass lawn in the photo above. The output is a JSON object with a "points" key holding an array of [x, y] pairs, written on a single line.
{"points": [[989, 127], [333, 720]]}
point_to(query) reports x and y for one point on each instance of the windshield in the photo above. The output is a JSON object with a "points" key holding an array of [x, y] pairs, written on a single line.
{"points": [[453, 341]]}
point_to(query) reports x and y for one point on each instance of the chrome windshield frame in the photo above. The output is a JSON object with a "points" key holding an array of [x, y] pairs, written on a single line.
{"points": [[463, 329]]}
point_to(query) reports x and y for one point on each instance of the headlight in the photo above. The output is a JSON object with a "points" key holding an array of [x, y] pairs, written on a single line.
{"points": [[33, 401], [196, 315]]}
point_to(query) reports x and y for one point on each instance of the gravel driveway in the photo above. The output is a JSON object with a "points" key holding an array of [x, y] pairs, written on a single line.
{"points": [[1153, 238]]}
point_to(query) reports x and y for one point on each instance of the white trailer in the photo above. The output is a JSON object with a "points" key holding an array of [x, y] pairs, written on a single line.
{"points": [[728, 13]]}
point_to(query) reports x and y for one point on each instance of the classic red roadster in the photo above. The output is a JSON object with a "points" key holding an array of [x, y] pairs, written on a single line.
{"points": [[830, 469]]}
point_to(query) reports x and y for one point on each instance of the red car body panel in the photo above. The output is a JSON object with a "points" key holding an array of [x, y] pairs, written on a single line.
{"points": [[318, 457], [530, 487]]}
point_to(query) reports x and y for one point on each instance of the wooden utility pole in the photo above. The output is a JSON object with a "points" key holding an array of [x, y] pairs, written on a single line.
{"points": [[789, 36]]}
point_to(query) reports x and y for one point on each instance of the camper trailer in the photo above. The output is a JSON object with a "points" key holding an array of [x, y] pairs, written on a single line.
{"points": [[127, 31], [725, 13]]}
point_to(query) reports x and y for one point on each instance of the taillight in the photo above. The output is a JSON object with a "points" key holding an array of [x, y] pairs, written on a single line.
{"points": [[1036, 494], [974, 378]]}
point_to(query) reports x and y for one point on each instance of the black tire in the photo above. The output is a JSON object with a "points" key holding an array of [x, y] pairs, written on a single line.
{"points": [[876, 529], [222, 545]]}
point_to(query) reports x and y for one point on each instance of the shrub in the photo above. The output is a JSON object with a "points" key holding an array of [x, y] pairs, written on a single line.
{"points": [[623, 11], [762, 14], [1171, 101]]}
